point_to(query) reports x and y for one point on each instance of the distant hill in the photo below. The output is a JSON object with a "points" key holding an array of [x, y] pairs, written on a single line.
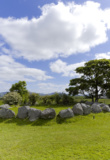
{"points": [[41, 94], [44, 94], [2, 94]]}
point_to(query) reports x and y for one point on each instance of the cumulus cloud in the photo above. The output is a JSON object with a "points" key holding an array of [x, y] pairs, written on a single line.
{"points": [[4, 86], [61, 30], [102, 55], [67, 70], [10, 70], [51, 87]]}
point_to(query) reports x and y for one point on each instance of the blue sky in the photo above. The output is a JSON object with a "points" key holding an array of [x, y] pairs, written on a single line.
{"points": [[43, 41]]}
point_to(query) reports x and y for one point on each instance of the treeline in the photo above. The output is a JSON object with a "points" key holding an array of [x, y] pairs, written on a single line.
{"points": [[19, 95], [14, 98]]}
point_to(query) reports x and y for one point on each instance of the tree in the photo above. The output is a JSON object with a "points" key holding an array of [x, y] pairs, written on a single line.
{"points": [[57, 98], [33, 97], [12, 98], [47, 99], [20, 87], [66, 99], [94, 80]]}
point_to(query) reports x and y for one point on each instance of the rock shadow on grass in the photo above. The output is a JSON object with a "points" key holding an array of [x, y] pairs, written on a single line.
{"points": [[19, 122], [22, 122], [60, 120], [42, 122]]}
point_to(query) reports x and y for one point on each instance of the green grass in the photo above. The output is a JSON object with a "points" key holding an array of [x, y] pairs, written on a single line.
{"points": [[77, 138], [80, 98]]}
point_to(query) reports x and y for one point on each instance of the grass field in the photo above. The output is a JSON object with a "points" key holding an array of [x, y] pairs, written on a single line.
{"points": [[77, 138]]}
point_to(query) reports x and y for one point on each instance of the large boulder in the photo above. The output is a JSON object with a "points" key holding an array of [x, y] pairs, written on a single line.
{"points": [[86, 109], [48, 113], [96, 108], [6, 113], [23, 112], [77, 109], [33, 114], [102, 104], [105, 108], [5, 106], [67, 113]]}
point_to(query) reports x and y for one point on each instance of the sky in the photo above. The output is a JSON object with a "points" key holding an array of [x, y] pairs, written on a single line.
{"points": [[42, 42]]}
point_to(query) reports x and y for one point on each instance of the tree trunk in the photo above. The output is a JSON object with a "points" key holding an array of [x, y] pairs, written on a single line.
{"points": [[96, 99], [92, 98], [96, 91], [96, 95]]}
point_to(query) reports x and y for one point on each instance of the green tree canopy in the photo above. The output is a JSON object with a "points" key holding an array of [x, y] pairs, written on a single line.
{"points": [[94, 80], [33, 97], [20, 88]]}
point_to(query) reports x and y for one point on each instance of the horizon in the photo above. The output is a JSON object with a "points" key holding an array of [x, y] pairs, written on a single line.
{"points": [[43, 42]]}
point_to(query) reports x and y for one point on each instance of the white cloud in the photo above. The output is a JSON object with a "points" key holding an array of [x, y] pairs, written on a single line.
{"points": [[67, 70], [61, 30], [4, 86], [14, 71], [1, 44], [50, 87], [102, 55]]}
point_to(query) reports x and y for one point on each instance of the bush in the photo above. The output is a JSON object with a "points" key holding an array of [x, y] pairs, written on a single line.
{"points": [[33, 97], [66, 99], [57, 98], [12, 98], [46, 100]]}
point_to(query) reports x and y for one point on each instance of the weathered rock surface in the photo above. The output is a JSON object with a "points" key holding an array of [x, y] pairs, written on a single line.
{"points": [[86, 109], [48, 113], [6, 113], [67, 113], [105, 108], [33, 114], [96, 108], [5, 106], [23, 112], [77, 109], [88, 103]]}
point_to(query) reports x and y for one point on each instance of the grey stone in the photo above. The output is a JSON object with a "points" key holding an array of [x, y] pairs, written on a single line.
{"points": [[86, 109], [34, 114], [67, 113], [5, 106], [48, 113], [88, 103], [96, 108], [77, 109], [105, 108], [23, 112], [102, 104], [6, 113]]}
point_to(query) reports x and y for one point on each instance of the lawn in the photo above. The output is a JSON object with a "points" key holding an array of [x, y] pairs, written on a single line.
{"points": [[77, 138]]}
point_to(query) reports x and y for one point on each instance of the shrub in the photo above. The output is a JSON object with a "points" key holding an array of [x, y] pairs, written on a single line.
{"points": [[57, 98], [12, 98], [66, 99], [33, 97]]}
